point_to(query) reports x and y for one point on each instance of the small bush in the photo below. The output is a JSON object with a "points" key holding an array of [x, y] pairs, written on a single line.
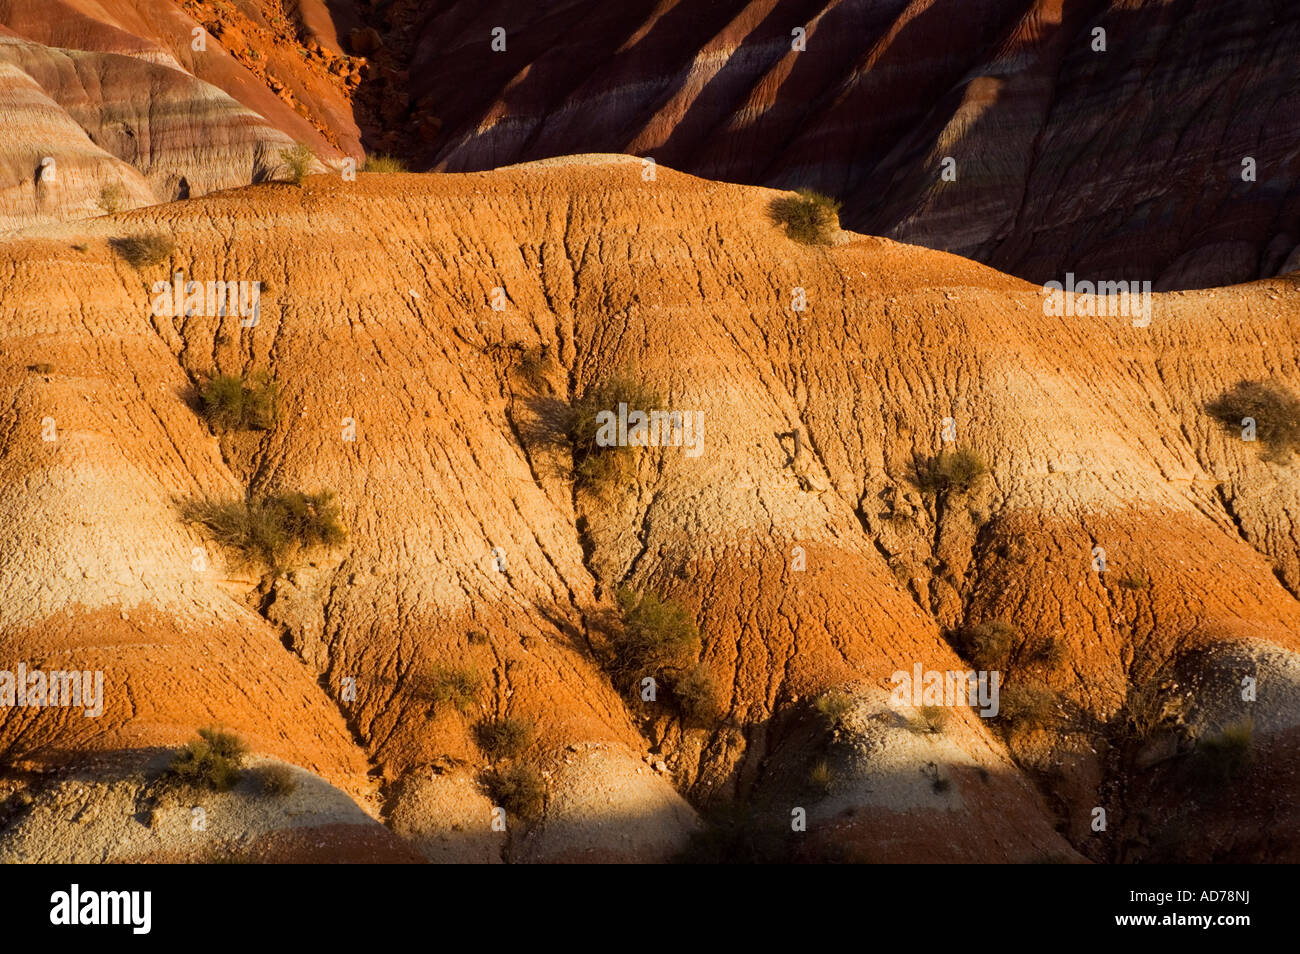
{"points": [[834, 705], [808, 217], [520, 790], [231, 403], [504, 738], [696, 695], [1274, 408], [658, 636], [210, 761], [295, 164], [1148, 709], [1027, 706], [384, 164], [820, 776], [143, 251], [111, 198], [1224, 755], [933, 719], [42, 368], [1133, 580], [950, 471], [269, 530], [602, 468], [477, 637], [989, 644], [276, 779], [1050, 652], [457, 687]]}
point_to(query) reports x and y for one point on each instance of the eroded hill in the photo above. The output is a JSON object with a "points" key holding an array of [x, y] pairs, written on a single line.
{"points": [[430, 333]]}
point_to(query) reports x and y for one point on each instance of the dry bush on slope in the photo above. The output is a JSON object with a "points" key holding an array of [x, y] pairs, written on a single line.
{"points": [[271, 529], [142, 251], [597, 467], [210, 761], [807, 217], [231, 403], [1273, 407], [659, 640]]}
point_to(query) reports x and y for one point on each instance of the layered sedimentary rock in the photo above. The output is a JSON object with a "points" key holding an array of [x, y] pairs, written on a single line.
{"points": [[1151, 140], [429, 333]]}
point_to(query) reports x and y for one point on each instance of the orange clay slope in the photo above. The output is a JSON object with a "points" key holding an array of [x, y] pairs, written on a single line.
{"points": [[429, 332]]}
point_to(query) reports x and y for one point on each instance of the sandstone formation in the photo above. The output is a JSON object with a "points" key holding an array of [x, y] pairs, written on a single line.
{"points": [[428, 333]]}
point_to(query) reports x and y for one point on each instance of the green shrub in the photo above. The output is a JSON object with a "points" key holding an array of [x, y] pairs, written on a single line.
{"points": [[602, 468], [210, 761], [295, 164], [231, 403], [834, 705], [696, 695], [989, 644], [1275, 409], [504, 738], [1224, 755], [950, 471], [520, 790], [111, 198], [384, 164], [658, 637], [1133, 580], [1030, 706], [808, 217], [276, 779], [271, 529], [142, 251], [457, 687], [933, 719]]}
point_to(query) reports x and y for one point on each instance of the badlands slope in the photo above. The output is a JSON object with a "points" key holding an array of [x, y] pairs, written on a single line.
{"points": [[470, 546]]}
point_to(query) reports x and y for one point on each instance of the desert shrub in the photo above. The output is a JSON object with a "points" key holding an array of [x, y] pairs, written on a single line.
{"points": [[933, 719], [988, 644], [210, 761], [111, 198], [1223, 755], [295, 163], [232, 403], [808, 217], [950, 471], [142, 251], [477, 637], [658, 636], [820, 776], [454, 686], [596, 467], [696, 695], [271, 529], [520, 790], [503, 738], [41, 368], [383, 164], [1149, 708], [276, 779], [1049, 651], [834, 705], [1028, 706], [1133, 580], [1275, 409]]}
